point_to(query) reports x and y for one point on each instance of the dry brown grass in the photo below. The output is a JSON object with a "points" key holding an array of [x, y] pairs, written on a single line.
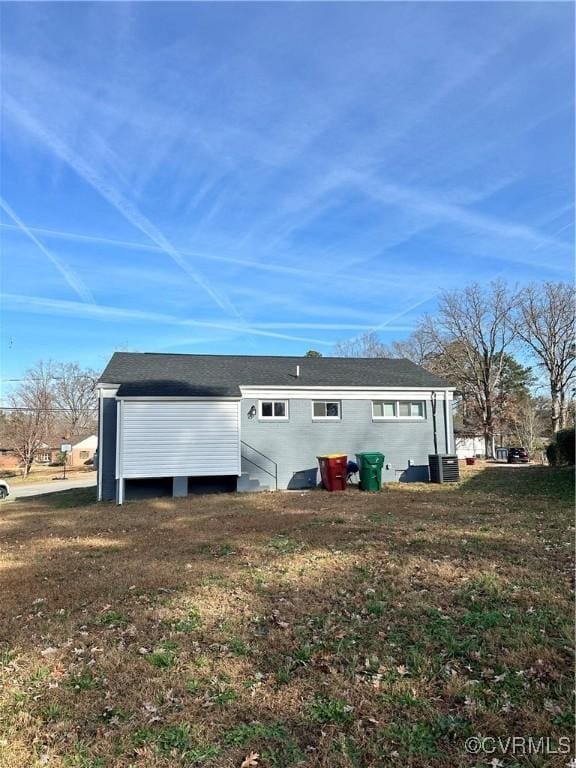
{"points": [[311, 628], [43, 475]]}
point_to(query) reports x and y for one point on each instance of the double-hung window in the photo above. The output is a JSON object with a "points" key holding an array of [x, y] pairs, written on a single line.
{"points": [[273, 410], [325, 410], [398, 409]]}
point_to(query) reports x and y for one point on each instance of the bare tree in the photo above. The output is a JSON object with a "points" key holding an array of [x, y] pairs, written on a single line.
{"points": [[75, 397], [30, 417], [546, 322], [419, 347], [472, 331], [366, 345], [526, 421]]}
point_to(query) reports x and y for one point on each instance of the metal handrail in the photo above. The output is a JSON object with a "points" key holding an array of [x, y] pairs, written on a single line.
{"points": [[251, 447]]}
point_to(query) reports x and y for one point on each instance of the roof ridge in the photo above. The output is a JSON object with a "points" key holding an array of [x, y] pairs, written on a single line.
{"points": [[262, 357]]}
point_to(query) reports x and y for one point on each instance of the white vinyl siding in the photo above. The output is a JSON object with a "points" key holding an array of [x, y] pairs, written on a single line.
{"points": [[179, 439]]}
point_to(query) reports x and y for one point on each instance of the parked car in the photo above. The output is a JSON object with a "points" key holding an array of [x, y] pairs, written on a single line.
{"points": [[4, 489], [518, 456]]}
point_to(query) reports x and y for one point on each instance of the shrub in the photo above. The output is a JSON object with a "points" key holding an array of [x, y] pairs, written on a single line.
{"points": [[565, 443], [552, 454], [59, 461]]}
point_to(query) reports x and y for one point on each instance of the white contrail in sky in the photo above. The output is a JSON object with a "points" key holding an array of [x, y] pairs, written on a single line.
{"points": [[262, 266], [405, 312], [103, 312], [115, 198], [75, 282]]}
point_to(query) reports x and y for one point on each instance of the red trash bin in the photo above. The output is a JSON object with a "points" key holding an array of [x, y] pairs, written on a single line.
{"points": [[333, 471]]}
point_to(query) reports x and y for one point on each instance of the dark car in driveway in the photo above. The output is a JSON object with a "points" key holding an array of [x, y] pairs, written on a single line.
{"points": [[518, 456]]}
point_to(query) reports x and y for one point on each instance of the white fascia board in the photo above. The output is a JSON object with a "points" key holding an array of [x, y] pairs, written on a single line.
{"points": [[179, 398], [107, 390], [346, 393]]}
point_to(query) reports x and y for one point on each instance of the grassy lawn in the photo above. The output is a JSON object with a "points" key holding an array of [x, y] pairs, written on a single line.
{"points": [[14, 477], [277, 630]]}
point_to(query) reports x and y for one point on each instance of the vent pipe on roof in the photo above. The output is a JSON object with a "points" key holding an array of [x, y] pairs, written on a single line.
{"points": [[297, 371]]}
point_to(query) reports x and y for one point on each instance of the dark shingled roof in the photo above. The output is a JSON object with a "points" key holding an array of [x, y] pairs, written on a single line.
{"points": [[222, 375]]}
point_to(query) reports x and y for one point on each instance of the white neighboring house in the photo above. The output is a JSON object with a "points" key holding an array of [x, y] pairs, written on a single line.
{"points": [[469, 446], [83, 450]]}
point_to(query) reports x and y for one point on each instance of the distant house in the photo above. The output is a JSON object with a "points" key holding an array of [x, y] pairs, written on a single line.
{"points": [[49, 452], [8, 459], [83, 450], [469, 444], [260, 422]]}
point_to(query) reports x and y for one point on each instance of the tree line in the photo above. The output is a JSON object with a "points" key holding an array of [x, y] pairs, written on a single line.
{"points": [[54, 400], [470, 341]]}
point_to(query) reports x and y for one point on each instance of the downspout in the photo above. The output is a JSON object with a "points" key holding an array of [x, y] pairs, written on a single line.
{"points": [[446, 430], [433, 398], [100, 430], [119, 478]]}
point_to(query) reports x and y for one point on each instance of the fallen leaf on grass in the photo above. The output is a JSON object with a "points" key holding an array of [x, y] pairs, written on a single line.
{"points": [[250, 761], [277, 619]]}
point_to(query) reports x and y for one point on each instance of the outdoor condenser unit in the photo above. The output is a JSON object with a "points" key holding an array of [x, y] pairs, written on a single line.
{"points": [[443, 468]]}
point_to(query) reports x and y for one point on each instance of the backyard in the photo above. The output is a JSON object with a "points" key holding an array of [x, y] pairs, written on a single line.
{"points": [[277, 630]]}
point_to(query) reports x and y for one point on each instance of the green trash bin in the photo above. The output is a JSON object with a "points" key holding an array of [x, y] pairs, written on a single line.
{"points": [[370, 463]]}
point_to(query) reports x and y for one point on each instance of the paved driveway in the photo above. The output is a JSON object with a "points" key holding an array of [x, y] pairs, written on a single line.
{"points": [[36, 489]]}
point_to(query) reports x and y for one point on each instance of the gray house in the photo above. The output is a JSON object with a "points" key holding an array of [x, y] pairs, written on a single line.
{"points": [[258, 423]]}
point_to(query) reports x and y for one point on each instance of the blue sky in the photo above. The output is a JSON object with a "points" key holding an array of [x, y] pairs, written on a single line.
{"points": [[267, 178]]}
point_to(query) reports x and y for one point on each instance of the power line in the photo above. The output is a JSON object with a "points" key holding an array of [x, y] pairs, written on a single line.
{"points": [[46, 378], [46, 410]]}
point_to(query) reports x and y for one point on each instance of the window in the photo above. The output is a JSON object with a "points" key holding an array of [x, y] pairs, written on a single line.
{"points": [[325, 409], [84, 455], [398, 409], [404, 410], [382, 409], [274, 410], [417, 409]]}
